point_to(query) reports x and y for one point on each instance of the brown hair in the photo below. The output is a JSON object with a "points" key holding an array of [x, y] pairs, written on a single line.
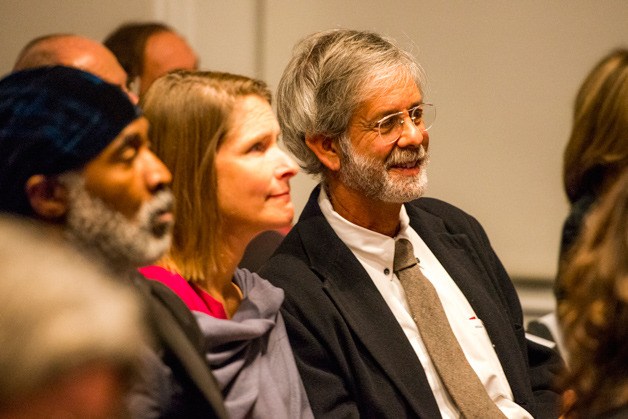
{"points": [[598, 146], [190, 114], [128, 43], [594, 313]]}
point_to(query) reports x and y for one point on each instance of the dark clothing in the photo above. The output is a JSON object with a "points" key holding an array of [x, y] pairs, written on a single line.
{"points": [[176, 382], [619, 413], [260, 249], [353, 355], [573, 223], [571, 230]]}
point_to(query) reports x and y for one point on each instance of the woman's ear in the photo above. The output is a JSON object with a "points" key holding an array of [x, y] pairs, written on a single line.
{"points": [[326, 149], [47, 196]]}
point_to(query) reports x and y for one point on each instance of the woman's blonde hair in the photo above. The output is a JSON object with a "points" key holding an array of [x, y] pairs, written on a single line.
{"points": [[190, 113], [598, 147], [594, 313]]}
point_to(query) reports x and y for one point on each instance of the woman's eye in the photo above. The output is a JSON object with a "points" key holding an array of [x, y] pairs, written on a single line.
{"points": [[257, 147]]}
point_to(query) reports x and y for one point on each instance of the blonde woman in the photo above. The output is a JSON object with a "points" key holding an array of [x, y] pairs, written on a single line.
{"points": [[218, 135]]}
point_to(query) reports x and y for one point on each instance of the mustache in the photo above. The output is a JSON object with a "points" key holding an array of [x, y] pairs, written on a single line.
{"points": [[401, 156], [162, 202]]}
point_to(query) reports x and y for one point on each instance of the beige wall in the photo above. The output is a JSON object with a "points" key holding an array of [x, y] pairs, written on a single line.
{"points": [[23, 20], [503, 75]]}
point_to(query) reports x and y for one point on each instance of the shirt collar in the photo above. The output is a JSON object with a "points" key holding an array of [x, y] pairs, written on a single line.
{"points": [[364, 243]]}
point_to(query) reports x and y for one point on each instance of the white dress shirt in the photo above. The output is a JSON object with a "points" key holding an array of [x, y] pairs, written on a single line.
{"points": [[376, 253]]}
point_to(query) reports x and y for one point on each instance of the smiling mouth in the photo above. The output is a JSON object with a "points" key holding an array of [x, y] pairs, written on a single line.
{"points": [[408, 165], [406, 159]]}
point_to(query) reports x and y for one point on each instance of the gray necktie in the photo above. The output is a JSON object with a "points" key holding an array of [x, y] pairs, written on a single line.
{"points": [[461, 382]]}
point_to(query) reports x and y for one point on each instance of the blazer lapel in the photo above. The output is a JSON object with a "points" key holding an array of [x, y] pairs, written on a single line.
{"points": [[460, 259]]}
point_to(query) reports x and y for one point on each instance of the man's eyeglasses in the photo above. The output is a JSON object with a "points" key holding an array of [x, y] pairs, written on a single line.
{"points": [[390, 127]]}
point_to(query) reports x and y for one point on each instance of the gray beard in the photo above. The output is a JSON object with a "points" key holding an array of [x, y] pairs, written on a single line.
{"points": [[371, 178], [122, 244]]}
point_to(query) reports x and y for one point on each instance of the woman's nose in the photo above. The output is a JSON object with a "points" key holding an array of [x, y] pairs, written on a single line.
{"points": [[287, 167]]}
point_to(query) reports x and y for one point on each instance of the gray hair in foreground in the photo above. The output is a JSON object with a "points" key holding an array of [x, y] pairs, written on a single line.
{"points": [[58, 313], [329, 75]]}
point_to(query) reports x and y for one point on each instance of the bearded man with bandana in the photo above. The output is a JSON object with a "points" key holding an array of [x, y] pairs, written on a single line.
{"points": [[74, 153]]}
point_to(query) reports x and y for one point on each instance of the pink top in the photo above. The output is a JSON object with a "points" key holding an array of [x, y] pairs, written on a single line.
{"points": [[194, 297]]}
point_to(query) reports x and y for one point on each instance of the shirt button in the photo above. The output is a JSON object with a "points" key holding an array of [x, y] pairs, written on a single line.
{"points": [[386, 271]]}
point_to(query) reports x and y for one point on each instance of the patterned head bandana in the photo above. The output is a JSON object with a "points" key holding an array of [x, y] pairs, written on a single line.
{"points": [[52, 120]]}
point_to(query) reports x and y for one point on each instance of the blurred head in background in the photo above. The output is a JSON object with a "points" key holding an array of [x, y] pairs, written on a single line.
{"points": [[148, 50]]}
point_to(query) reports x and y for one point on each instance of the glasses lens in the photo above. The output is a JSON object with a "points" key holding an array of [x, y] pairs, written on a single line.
{"points": [[391, 127], [427, 115]]}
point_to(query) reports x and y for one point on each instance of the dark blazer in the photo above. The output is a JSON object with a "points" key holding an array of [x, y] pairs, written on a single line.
{"points": [[178, 383], [354, 357]]}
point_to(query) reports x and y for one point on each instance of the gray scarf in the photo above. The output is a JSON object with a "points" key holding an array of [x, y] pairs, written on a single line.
{"points": [[251, 356]]}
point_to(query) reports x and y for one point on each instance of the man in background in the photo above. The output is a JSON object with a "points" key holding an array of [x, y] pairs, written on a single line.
{"points": [[148, 50]]}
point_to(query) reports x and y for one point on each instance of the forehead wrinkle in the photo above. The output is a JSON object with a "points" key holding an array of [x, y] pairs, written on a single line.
{"points": [[381, 86]]}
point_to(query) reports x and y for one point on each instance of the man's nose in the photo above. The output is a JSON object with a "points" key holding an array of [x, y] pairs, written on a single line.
{"points": [[412, 135], [157, 174]]}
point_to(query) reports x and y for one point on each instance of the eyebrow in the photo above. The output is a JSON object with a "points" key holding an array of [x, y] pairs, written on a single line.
{"points": [[387, 112]]}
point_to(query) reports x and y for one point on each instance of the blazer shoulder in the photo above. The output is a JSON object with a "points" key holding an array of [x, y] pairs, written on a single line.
{"points": [[154, 292], [437, 208], [433, 211]]}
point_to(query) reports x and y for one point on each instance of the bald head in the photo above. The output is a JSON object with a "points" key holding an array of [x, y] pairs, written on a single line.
{"points": [[73, 51]]}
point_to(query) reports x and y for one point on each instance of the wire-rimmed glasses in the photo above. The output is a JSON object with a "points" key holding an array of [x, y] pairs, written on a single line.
{"points": [[390, 127]]}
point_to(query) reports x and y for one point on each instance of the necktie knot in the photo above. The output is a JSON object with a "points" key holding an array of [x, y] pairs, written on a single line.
{"points": [[404, 255]]}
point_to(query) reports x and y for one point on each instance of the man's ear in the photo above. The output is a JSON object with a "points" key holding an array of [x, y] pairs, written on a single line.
{"points": [[47, 196], [326, 149]]}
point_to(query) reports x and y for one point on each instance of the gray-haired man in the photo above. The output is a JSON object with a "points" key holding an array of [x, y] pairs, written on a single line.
{"points": [[352, 109]]}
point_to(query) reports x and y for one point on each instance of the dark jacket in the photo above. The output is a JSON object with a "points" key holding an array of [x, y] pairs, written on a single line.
{"points": [[355, 359], [176, 381]]}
